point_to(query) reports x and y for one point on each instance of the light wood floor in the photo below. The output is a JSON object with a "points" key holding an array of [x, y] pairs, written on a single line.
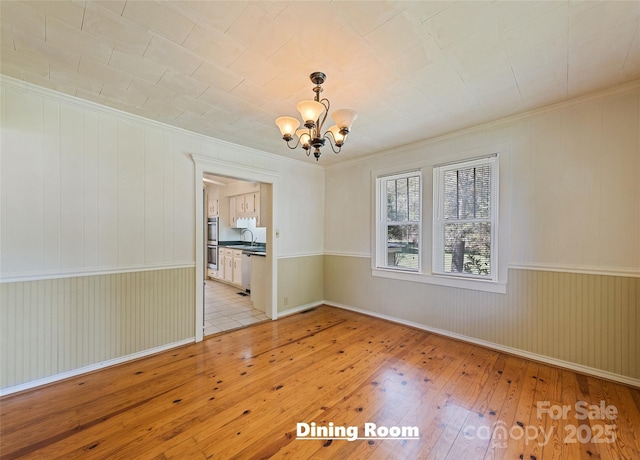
{"points": [[241, 394]]}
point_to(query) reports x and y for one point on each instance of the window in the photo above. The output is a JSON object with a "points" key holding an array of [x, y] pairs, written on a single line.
{"points": [[465, 219], [399, 221]]}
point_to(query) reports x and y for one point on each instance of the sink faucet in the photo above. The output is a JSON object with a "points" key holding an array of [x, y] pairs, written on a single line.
{"points": [[247, 230]]}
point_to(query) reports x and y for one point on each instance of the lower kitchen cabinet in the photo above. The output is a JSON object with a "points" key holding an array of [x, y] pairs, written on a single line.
{"points": [[237, 268], [231, 260]]}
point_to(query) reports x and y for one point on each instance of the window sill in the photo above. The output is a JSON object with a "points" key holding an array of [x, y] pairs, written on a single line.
{"points": [[498, 287]]}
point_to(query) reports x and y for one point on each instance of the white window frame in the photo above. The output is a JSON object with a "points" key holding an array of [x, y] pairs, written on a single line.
{"points": [[381, 222], [439, 221], [501, 244]]}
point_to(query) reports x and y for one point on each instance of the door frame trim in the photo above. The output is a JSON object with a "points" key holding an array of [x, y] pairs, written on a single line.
{"points": [[205, 164]]}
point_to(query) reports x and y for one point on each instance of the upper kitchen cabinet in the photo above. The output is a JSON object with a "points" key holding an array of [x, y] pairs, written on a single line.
{"points": [[213, 201], [233, 212], [249, 205], [246, 204]]}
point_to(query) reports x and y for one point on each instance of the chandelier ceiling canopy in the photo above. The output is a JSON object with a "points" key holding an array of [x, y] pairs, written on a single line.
{"points": [[314, 114]]}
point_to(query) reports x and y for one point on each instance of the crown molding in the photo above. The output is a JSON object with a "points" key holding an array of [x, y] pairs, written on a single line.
{"points": [[51, 94], [631, 87]]}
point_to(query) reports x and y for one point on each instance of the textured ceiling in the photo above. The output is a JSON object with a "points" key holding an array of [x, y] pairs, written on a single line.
{"points": [[412, 70]]}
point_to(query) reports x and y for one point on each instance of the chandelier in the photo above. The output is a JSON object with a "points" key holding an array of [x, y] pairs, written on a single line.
{"points": [[314, 114]]}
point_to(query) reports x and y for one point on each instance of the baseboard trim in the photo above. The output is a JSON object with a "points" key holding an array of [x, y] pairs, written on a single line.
{"points": [[301, 308], [92, 367], [503, 348]]}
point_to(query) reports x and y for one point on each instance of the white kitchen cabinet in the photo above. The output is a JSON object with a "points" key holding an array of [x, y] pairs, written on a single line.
{"points": [[221, 267], [219, 273], [233, 213], [228, 265], [237, 267], [244, 206], [250, 203], [231, 260], [213, 201], [240, 205]]}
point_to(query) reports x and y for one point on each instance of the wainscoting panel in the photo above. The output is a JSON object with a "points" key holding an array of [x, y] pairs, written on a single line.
{"points": [[300, 281], [52, 326], [590, 320]]}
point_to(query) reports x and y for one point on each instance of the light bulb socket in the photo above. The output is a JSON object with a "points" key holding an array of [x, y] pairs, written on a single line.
{"points": [[309, 124]]}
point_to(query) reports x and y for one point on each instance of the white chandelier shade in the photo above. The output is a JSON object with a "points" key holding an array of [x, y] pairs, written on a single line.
{"points": [[287, 125], [344, 118], [310, 110]]}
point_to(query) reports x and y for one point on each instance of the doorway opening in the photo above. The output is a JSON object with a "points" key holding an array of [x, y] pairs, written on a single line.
{"points": [[236, 211], [263, 286]]}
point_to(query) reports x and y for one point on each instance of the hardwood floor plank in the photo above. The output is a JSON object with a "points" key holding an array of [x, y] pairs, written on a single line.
{"points": [[515, 419], [547, 389], [621, 425], [512, 383], [240, 395], [473, 439]]}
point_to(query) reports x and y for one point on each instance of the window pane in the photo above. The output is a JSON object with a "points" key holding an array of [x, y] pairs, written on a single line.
{"points": [[483, 192], [467, 248], [398, 235], [467, 193], [451, 194], [391, 200], [403, 199], [402, 246], [414, 199]]}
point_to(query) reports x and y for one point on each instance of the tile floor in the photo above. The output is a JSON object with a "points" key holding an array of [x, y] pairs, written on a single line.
{"points": [[225, 309]]}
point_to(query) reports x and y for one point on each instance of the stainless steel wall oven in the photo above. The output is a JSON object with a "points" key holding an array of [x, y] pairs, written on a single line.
{"points": [[212, 231], [212, 243]]}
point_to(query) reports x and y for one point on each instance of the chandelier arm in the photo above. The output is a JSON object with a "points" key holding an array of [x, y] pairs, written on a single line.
{"points": [[327, 106], [295, 146], [329, 135]]}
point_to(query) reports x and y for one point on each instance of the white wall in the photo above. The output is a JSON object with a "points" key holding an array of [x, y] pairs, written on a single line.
{"points": [[87, 189], [573, 181]]}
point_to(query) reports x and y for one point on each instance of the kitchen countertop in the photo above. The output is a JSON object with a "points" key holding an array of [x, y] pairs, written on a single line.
{"points": [[259, 249]]}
